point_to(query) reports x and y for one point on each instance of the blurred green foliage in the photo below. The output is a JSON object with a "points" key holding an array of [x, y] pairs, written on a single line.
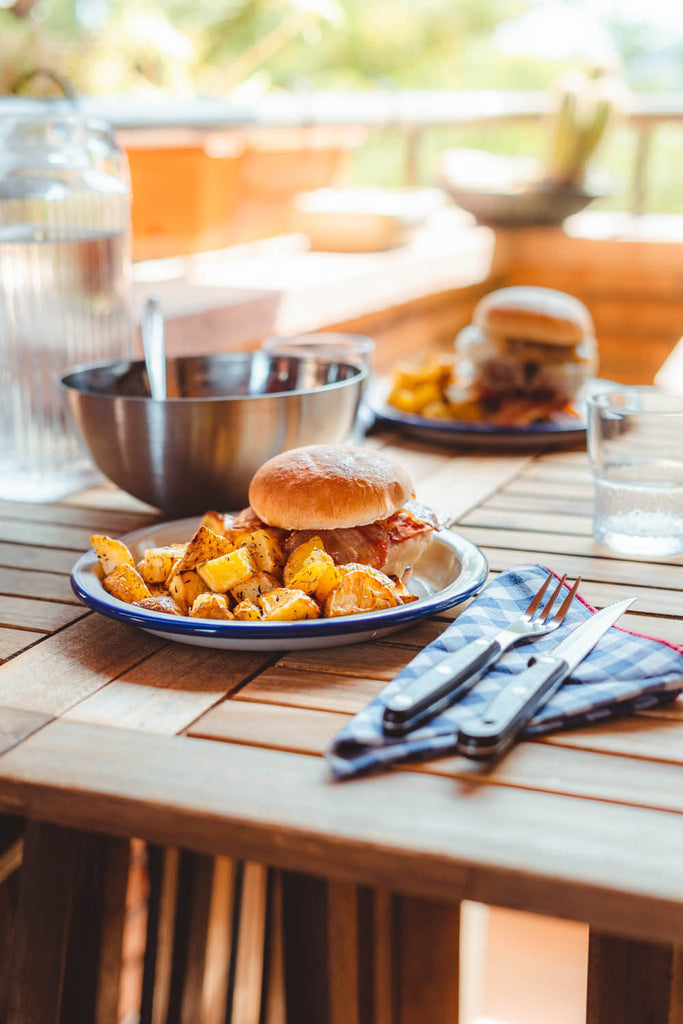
{"points": [[246, 47]]}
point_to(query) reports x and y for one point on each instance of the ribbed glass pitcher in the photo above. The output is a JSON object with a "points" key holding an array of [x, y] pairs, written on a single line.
{"points": [[64, 286]]}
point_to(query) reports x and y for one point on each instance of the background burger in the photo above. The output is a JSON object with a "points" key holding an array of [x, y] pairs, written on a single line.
{"points": [[357, 501], [525, 355]]}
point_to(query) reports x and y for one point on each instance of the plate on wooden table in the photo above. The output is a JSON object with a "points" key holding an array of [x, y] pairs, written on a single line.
{"points": [[562, 429], [450, 571]]}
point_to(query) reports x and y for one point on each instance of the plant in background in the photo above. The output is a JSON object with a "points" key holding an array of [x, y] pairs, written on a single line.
{"points": [[586, 102]]}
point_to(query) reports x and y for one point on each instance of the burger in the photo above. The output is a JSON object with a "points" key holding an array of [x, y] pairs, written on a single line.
{"points": [[525, 355], [359, 502]]}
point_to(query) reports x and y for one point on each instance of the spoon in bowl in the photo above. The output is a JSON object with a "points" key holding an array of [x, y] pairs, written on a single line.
{"points": [[154, 348]]}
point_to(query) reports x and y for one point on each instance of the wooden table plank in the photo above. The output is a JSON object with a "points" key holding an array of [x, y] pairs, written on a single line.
{"points": [[167, 691], [14, 640], [422, 834], [91, 519], [570, 763], [43, 586], [45, 616], [16, 725], [45, 535], [658, 597], [27, 557], [69, 666]]}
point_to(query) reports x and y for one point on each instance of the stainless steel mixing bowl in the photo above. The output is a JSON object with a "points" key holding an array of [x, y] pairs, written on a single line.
{"points": [[225, 415]]}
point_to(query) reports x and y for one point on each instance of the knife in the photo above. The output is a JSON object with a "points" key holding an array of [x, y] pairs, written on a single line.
{"points": [[518, 701]]}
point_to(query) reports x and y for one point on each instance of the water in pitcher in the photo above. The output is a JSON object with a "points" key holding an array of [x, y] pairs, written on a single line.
{"points": [[64, 301], [65, 273]]}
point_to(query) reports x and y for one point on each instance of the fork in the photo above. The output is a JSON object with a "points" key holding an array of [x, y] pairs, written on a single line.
{"points": [[452, 677]]}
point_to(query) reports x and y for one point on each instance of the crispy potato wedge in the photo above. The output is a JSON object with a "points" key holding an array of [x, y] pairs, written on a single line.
{"points": [[110, 552], [126, 583], [211, 606], [317, 576], [286, 605], [159, 603], [256, 585], [246, 611], [157, 563], [185, 587], [204, 546], [360, 591], [227, 571], [299, 556]]}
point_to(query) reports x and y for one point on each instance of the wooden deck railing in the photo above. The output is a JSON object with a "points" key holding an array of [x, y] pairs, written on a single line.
{"points": [[413, 113]]}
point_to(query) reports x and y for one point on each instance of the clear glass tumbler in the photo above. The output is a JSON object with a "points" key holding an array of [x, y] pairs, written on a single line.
{"points": [[357, 349], [635, 447], [65, 275]]}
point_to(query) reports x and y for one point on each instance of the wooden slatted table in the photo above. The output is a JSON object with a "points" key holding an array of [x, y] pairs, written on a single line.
{"points": [[107, 729]]}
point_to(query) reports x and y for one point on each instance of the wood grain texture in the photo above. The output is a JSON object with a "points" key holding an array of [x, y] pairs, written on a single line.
{"points": [[16, 725], [426, 952], [633, 982], [41, 937], [14, 640], [166, 692], [464, 839], [69, 666], [43, 616]]}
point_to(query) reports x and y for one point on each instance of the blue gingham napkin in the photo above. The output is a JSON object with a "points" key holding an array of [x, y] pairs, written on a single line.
{"points": [[624, 673]]}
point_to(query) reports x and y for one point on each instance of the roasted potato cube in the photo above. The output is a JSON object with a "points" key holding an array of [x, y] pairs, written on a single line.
{"points": [[211, 606], [185, 587], [157, 563], [111, 553], [256, 585], [403, 399], [246, 611], [227, 571], [359, 591], [204, 546], [214, 521], [317, 575], [126, 583], [299, 556], [159, 603], [285, 605], [264, 547]]}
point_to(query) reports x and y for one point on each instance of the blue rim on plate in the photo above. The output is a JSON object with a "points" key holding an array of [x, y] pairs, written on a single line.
{"points": [[450, 572]]}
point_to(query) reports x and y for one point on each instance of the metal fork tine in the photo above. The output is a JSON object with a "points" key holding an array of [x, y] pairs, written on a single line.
{"points": [[535, 601], [564, 607], [548, 608]]}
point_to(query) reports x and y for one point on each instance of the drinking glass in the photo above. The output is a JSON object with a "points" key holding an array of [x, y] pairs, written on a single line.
{"points": [[357, 349], [65, 272], [342, 347], [635, 447]]}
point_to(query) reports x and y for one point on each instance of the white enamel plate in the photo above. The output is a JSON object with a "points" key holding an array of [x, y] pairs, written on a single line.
{"points": [[450, 571]]}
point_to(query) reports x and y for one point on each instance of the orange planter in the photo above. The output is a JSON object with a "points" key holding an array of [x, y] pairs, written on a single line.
{"points": [[184, 197]]}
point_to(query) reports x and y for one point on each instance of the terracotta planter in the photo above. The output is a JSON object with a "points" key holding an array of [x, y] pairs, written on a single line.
{"points": [[184, 196], [277, 165]]}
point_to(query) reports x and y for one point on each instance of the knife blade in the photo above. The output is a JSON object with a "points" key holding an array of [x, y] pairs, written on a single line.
{"points": [[514, 706]]}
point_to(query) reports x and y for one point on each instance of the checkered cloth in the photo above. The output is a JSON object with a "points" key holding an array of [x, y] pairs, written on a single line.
{"points": [[624, 673]]}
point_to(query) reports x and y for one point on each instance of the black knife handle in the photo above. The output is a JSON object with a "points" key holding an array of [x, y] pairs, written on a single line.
{"points": [[441, 685], [512, 708]]}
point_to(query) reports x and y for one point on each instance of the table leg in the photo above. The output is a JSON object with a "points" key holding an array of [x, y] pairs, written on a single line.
{"points": [[632, 982]]}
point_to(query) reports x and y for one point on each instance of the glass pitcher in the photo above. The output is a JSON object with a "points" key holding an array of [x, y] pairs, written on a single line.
{"points": [[65, 283]]}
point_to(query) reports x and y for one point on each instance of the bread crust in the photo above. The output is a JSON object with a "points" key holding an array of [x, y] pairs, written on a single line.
{"points": [[535, 314], [327, 487]]}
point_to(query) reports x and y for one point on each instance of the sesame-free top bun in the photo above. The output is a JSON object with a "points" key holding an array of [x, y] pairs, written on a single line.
{"points": [[534, 314], [327, 487]]}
